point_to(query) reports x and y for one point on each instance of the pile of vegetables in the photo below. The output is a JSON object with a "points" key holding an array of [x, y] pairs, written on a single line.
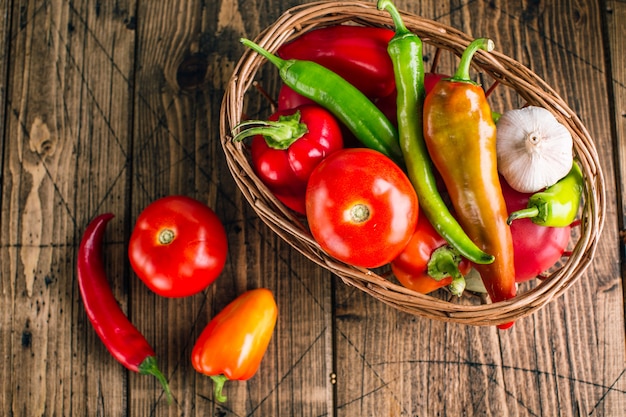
{"points": [[389, 164], [436, 184], [178, 248]]}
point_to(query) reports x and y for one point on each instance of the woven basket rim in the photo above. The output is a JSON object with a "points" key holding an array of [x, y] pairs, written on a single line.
{"points": [[500, 68]]}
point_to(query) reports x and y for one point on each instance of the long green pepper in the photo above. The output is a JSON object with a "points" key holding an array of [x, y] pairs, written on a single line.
{"points": [[346, 102], [405, 50]]}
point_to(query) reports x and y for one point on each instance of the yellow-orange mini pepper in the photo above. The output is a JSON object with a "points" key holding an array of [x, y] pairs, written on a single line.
{"points": [[233, 343]]}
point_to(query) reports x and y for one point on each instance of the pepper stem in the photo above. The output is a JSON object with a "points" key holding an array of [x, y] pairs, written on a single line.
{"points": [[462, 71], [218, 385], [527, 213], [277, 61], [149, 367], [278, 134], [444, 262], [395, 16]]}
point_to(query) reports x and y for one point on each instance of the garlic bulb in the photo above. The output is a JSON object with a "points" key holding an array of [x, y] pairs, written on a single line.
{"points": [[534, 150]]}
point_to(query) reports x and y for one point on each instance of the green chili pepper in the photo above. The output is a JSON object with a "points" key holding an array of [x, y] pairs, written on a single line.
{"points": [[346, 102], [405, 50], [557, 205]]}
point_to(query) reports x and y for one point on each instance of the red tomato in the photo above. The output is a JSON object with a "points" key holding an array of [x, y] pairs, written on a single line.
{"points": [[361, 207], [178, 246]]}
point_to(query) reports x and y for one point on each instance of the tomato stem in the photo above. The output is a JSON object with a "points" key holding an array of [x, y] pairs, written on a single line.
{"points": [[166, 236], [359, 213], [218, 385]]}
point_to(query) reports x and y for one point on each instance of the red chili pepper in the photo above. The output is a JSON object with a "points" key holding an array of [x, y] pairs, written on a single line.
{"points": [[357, 53], [287, 147], [234, 342], [121, 338], [428, 262]]}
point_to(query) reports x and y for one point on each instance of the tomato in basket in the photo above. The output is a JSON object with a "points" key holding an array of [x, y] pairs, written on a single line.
{"points": [[361, 207]]}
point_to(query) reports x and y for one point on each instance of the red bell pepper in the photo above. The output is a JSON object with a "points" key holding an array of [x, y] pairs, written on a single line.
{"points": [[357, 53], [234, 342], [289, 99], [287, 147], [431, 79], [536, 248], [388, 104], [428, 262]]}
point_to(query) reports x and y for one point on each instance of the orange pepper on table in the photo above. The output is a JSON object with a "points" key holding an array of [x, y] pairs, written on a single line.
{"points": [[234, 342], [461, 139]]}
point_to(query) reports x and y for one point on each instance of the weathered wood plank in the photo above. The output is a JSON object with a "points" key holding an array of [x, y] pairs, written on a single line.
{"points": [[177, 150], [615, 15], [6, 311], [5, 26], [66, 133]]}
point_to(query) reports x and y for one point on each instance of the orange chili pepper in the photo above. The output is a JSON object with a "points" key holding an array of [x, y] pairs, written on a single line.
{"points": [[461, 138], [233, 343]]}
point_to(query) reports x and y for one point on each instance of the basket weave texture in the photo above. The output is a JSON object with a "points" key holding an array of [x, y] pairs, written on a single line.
{"points": [[501, 69]]}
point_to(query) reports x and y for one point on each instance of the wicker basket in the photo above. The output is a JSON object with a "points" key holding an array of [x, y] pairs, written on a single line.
{"points": [[498, 69]]}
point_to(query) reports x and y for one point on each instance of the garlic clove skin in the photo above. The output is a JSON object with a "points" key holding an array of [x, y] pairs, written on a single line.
{"points": [[533, 149]]}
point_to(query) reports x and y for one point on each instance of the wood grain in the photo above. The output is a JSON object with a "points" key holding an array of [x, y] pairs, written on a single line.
{"points": [[177, 150], [107, 106], [615, 14]]}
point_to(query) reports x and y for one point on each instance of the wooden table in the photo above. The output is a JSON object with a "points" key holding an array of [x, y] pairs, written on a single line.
{"points": [[107, 106]]}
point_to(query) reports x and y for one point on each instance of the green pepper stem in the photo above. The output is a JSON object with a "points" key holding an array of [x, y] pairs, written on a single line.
{"points": [[462, 71], [149, 367], [218, 385], [277, 61], [278, 134], [395, 16], [444, 262], [527, 213]]}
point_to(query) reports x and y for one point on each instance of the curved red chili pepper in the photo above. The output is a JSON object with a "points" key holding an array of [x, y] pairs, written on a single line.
{"points": [[121, 338]]}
